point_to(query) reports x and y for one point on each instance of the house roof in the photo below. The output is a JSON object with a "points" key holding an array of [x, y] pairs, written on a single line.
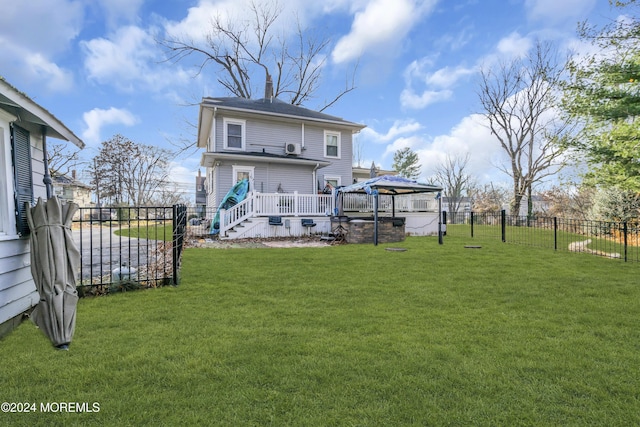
{"points": [[272, 107], [65, 180], [210, 158], [29, 113]]}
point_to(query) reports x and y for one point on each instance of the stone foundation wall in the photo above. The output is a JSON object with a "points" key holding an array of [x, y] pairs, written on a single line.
{"points": [[361, 231]]}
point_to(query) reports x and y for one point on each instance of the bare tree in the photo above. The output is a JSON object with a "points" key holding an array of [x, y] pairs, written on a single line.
{"points": [[569, 201], [61, 159], [519, 101], [451, 174], [487, 198], [126, 173], [247, 50]]}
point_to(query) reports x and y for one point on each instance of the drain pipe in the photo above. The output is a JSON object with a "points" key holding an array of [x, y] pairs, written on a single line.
{"points": [[48, 182], [314, 190]]}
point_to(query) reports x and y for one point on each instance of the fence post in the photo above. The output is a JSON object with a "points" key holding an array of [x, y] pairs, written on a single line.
{"points": [[555, 233], [179, 226], [625, 229], [471, 223], [503, 218]]}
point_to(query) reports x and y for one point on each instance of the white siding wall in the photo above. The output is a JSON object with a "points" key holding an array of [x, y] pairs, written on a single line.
{"points": [[17, 290]]}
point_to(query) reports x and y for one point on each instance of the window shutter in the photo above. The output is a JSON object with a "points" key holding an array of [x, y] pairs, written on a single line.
{"points": [[23, 178]]}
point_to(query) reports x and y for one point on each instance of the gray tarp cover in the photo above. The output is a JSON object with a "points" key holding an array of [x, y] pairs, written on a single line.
{"points": [[55, 259]]}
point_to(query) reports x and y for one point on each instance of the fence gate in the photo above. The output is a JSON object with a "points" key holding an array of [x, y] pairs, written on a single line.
{"points": [[128, 248]]}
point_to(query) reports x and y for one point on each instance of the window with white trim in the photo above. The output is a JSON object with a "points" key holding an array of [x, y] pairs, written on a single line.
{"points": [[243, 172], [333, 181], [234, 134], [332, 144]]}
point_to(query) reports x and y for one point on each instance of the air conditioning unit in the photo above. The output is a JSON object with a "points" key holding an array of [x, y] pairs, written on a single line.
{"points": [[294, 149]]}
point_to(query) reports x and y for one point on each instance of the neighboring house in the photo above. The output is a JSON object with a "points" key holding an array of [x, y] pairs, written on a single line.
{"points": [[363, 174], [24, 129], [292, 158], [69, 189], [463, 204], [539, 206]]}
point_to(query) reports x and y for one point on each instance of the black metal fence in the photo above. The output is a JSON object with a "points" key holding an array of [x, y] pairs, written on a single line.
{"points": [[129, 247], [603, 238]]}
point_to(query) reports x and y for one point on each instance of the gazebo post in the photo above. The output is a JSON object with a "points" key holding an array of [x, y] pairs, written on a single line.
{"points": [[439, 218], [375, 217]]}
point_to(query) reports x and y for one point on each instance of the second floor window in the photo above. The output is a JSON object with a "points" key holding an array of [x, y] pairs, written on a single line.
{"points": [[234, 134], [332, 144]]}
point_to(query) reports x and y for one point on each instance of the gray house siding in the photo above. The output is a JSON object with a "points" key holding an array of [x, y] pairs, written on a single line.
{"points": [[267, 178], [17, 289], [260, 134], [267, 128]]}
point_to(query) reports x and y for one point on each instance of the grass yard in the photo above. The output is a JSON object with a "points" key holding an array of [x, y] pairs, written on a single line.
{"points": [[162, 231], [350, 335]]}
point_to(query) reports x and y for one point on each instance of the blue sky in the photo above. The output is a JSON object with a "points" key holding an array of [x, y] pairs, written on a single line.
{"points": [[96, 66]]}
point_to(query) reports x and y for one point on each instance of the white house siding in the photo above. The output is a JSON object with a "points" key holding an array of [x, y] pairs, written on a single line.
{"points": [[17, 289]]}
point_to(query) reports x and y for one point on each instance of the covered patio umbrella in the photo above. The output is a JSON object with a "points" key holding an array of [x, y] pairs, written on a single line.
{"points": [[393, 185], [55, 259]]}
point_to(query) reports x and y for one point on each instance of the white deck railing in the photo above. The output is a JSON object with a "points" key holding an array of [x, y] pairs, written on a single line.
{"points": [[422, 202], [295, 204]]}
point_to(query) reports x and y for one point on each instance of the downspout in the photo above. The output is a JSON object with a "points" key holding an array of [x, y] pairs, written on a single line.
{"points": [[314, 189], [212, 137], [48, 182]]}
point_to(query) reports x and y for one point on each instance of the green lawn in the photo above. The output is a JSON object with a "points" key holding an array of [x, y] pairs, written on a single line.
{"points": [[162, 231], [350, 335]]}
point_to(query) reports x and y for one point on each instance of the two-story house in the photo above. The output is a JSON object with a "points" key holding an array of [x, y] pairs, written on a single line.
{"points": [[279, 147], [70, 189]]}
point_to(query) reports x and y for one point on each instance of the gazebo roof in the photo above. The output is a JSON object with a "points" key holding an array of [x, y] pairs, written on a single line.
{"points": [[389, 184]]}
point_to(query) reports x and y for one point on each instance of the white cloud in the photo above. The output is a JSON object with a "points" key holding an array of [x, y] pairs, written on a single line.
{"points": [[379, 28], [29, 50], [437, 86], [514, 45], [97, 118], [399, 127], [410, 99], [554, 11], [197, 24], [470, 135], [45, 26], [39, 68], [129, 60], [117, 11]]}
